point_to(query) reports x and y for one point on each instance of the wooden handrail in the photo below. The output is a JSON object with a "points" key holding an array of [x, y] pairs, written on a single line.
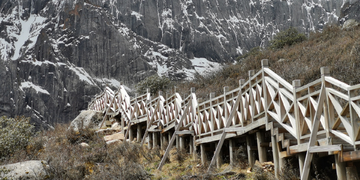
{"points": [[294, 110]]}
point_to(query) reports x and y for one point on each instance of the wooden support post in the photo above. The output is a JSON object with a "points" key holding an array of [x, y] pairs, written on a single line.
{"points": [[138, 133], [182, 143], [261, 150], [202, 154], [155, 140], [275, 152], [131, 133], [169, 136], [191, 145], [351, 173], [122, 125], [282, 160], [301, 158], [219, 160], [149, 140], [251, 158], [161, 140], [340, 168], [231, 151], [165, 140], [194, 148], [177, 140]]}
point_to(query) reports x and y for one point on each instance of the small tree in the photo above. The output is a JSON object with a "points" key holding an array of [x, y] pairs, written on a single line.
{"points": [[287, 38], [155, 83], [15, 134]]}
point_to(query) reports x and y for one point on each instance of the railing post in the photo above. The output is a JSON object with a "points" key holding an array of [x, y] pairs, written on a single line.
{"points": [[212, 95], [260, 135], [219, 160], [325, 71], [301, 157], [226, 89], [315, 127], [252, 108], [193, 138], [192, 90], [265, 64], [353, 118], [241, 83], [167, 101], [296, 84]]}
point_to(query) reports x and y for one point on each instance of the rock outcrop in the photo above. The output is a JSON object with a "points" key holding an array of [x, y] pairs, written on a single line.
{"points": [[31, 170], [55, 55], [86, 119]]}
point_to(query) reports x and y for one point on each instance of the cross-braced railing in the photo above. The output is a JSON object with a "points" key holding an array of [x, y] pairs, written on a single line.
{"points": [[326, 111]]}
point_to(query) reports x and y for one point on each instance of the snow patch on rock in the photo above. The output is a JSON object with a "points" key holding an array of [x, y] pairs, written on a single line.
{"points": [[38, 89]]}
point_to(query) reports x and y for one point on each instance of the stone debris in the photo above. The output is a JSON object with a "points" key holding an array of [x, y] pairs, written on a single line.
{"points": [[112, 141], [116, 126], [84, 144], [116, 136], [266, 166]]}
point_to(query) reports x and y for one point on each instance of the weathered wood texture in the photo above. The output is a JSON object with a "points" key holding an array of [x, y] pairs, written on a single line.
{"points": [[322, 116]]}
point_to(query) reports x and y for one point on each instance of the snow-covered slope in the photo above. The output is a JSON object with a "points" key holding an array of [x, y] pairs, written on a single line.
{"points": [[56, 54]]}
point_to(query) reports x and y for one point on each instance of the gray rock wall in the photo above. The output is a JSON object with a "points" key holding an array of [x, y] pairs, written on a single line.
{"points": [[56, 55]]}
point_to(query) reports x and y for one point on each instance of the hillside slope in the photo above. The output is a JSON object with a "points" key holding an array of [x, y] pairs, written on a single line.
{"points": [[334, 47], [55, 55]]}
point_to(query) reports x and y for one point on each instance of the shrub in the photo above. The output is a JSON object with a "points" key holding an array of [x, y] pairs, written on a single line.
{"points": [[155, 84], [15, 134], [260, 174], [287, 38], [253, 52], [83, 135]]}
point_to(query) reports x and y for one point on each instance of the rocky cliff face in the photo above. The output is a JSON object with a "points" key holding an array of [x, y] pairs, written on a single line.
{"points": [[55, 55]]}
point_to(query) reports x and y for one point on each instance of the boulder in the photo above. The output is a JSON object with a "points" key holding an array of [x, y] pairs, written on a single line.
{"points": [[86, 119], [350, 24], [26, 170]]}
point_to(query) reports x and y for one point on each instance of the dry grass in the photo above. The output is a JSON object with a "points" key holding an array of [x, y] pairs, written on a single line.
{"points": [[336, 48], [66, 159]]}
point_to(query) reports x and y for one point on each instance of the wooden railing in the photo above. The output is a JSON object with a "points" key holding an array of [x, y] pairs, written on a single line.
{"points": [[325, 110]]}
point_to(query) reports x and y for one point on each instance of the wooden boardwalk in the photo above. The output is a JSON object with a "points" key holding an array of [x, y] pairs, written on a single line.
{"points": [[265, 113]]}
